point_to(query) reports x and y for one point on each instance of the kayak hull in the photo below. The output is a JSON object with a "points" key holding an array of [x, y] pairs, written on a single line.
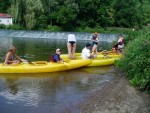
{"points": [[100, 60], [43, 68], [78, 56]]}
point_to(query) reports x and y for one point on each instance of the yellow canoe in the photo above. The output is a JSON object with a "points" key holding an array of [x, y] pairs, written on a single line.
{"points": [[43, 67], [102, 62], [101, 59], [99, 56]]}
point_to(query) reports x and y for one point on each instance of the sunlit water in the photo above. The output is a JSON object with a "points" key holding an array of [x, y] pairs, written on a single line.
{"points": [[47, 92]]}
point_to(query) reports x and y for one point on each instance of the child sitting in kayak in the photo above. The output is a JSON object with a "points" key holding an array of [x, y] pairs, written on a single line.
{"points": [[56, 57]]}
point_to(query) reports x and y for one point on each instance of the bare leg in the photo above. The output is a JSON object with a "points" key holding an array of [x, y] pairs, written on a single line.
{"points": [[73, 51], [94, 49], [69, 50]]}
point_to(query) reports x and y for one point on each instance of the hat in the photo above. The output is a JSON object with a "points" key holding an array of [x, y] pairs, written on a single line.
{"points": [[57, 50], [88, 44]]}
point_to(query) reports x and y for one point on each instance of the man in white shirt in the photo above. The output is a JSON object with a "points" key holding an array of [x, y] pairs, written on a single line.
{"points": [[86, 52]]}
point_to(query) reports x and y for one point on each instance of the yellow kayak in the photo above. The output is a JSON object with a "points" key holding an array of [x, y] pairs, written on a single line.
{"points": [[102, 62], [111, 55], [43, 66]]}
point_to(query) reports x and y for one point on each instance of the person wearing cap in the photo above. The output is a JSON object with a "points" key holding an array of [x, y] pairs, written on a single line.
{"points": [[95, 40], [86, 52], [71, 46], [56, 57], [11, 57]]}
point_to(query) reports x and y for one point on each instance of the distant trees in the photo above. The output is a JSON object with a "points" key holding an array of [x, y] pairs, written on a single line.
{"points": [[70, 14], [127, 13]]}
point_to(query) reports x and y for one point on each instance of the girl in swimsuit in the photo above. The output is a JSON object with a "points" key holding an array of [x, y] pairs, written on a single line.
{"points": [[71, 46], [95, 40], [10, 57]]}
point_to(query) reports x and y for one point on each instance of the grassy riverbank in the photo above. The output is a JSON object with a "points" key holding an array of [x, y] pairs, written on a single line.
{"points": [[136, 60]]}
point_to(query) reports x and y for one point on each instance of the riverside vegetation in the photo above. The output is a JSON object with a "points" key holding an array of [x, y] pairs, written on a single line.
{"points": [[136, 60]]}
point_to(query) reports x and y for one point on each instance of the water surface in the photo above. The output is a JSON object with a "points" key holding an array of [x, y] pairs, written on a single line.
{"points": [[50, 92], [47, 92]]}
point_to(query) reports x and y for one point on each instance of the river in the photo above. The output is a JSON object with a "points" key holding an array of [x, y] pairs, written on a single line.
{"points": [[51, 92]]}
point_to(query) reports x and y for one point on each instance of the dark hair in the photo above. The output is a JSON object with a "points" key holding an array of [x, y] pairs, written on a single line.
{"points": [[88, 44], [120, 35]]}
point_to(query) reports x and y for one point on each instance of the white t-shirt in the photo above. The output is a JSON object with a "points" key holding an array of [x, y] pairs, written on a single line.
{"points": [[122, 45], [85, 53], [71, 37], [120, 40]]}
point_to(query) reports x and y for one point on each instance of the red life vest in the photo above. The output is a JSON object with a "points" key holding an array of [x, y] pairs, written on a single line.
{"points": [[122, 40], [52, 59]]}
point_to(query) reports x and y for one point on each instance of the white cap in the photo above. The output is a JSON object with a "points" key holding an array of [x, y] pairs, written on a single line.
{"points": [[57, 50]]}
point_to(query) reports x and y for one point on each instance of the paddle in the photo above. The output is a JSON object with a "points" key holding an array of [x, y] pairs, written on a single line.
{"points": [[66, 62], [36, 62]]}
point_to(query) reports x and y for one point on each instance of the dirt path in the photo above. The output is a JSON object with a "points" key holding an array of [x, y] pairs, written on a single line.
{"points": [[116, 97]]}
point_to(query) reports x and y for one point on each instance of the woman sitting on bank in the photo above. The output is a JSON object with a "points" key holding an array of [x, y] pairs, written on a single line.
{"points": [[11, 57]]}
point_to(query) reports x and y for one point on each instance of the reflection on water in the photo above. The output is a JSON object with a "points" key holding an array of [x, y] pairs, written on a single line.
{"points": [[49, 92]]}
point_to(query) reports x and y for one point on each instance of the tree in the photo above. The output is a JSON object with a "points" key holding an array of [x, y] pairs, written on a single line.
{"points": [[33, 9], [67, 14], [127, 13]]}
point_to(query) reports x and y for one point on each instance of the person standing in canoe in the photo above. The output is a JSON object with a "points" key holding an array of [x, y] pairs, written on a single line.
{"points": [[95, 40], [11, 57], [71, 46], [86, 52], [56, 57]]}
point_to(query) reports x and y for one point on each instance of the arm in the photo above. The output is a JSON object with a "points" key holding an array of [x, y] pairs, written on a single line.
{"points": [[17, 57], [7, 58]]}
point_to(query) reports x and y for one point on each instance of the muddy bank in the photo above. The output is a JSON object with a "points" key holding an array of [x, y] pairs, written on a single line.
{"points": [[117, 96]]}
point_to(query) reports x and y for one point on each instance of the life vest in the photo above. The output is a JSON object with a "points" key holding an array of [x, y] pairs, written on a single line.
{"points": [[52, 58], [122, 40]]}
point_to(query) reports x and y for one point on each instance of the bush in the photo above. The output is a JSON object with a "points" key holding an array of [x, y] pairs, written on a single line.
{"points": [[136, 61], [54, 28], [15, 27], [2, 26]]}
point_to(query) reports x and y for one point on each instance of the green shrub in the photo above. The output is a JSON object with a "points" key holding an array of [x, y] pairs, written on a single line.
{"points": [[2, 26], [136, 60], [54, 28], [15, 27]]}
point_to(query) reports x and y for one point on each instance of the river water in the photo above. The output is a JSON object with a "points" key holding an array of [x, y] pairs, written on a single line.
{"points": [[47, 92]]}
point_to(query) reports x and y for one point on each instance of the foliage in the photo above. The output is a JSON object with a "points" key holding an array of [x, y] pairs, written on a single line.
{"points": [[82, 14], [136, 60], [53, 28], [15, 27], [127, 13], [2, 26]]}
